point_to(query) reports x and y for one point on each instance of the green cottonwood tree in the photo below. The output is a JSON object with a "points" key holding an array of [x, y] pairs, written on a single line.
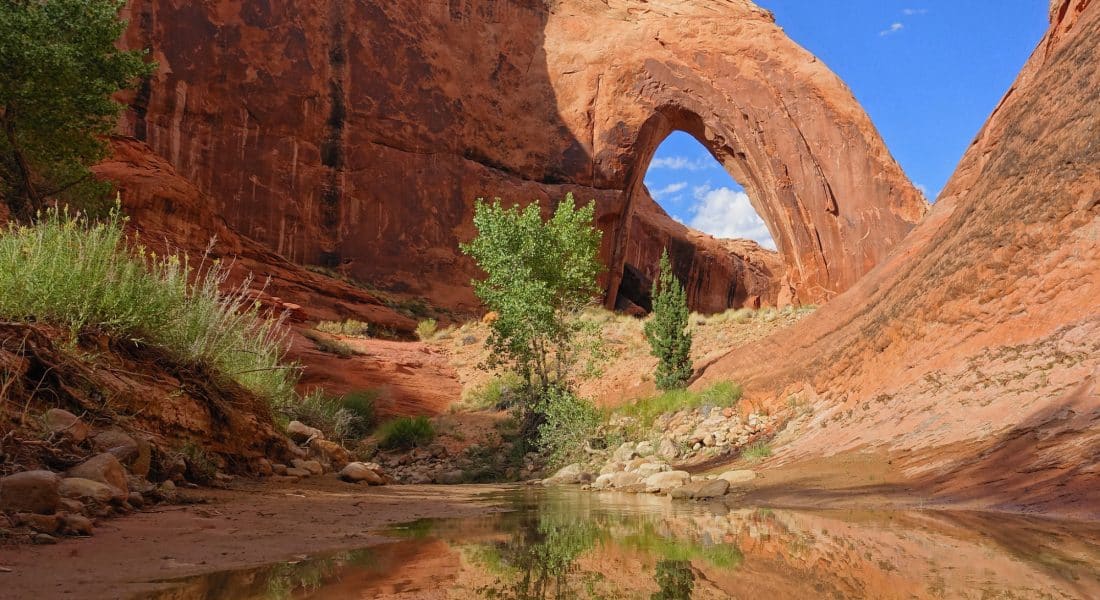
{"points": [[667, 330], [538, 273], [59, 68]]}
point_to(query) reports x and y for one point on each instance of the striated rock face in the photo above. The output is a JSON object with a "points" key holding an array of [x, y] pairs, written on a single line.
{"points": [[974, 350], [356, 135]]}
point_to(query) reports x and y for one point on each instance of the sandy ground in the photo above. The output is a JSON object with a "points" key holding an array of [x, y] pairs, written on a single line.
{"points": [[249, 525]]}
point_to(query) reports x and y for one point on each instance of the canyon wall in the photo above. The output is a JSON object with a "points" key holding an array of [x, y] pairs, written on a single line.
{"points": [[972, 354], [356, 135]]}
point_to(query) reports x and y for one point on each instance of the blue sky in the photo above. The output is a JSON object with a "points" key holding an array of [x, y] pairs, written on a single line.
{"points": [[928, 73]]}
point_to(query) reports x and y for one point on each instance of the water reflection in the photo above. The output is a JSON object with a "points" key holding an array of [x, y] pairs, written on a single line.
{"points": [[559, 544]]}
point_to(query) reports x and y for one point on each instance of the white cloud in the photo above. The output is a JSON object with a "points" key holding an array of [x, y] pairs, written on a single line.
{"points": [[681, 163], [909, 12], [894, 28], [726, 213], [668, 190]]}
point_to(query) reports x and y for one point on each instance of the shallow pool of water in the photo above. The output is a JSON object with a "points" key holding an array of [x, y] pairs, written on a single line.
{"points": [[561, 543]]}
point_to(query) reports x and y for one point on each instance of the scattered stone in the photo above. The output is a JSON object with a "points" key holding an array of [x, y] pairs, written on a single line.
{"points": [[621, 480], [740, 476], [87, 490], [73, 524], [356, 472], [167, 491], [624, 453], [104, 468], [117, 442], [331, 452], [668, 449], [67, 424], [301, 433], [612, 467], [30, 491], [311, 467], [262, 467], [701, 490], [648, 469], [708, 440], [43, 539], [136, 500], [70, 505], [644, 448], [666, 481], [285, 479], [297, 473], [278, 469], [39, 523]]}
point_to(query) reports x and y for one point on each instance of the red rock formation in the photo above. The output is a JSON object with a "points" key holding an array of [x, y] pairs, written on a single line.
{"points": [[358, 134], [974, 350]]}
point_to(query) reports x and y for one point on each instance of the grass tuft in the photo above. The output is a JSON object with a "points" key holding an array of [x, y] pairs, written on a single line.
{"points": [[426, 329], [646, 410], [405, 433], [756, 452], [68, 270]]}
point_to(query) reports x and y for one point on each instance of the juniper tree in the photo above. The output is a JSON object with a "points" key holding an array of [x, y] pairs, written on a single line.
{"points": [[60, 69], [667, 330]]}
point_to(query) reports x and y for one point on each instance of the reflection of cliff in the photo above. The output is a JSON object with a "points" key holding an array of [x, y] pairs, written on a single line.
{"points": [[362, 148]]}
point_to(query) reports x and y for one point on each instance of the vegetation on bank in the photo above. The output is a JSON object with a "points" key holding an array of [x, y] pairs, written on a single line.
{"points": [[405, 433], [68, 270], [722, 394], [667, 329]]}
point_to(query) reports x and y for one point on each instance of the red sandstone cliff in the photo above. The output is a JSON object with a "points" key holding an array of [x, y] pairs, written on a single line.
{"points": [[356, 135], [973, 352]]}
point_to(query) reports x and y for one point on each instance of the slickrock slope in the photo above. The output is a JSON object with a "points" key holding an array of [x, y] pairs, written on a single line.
{"points": [[972, 354], [356, 135]]}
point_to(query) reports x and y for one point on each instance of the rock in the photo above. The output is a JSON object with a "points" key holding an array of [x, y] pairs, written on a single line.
{"points": [[43, 539], [666, 481], [302, 433], [136, 500], [278, 469], [70, 505], [492, 99], [621, 480], [118, 443], [737, 477], [700, 490], [39, 523], [624, 453], [286, 478], [650, 468], [104, 468], [75, 524], [450, 477], [644, 448], [602, 482], [612, 467], [87, 490], [356, 472], [166, 491], [297, 473], [708, 440], [30, 491], [668, 449], [263, 468], [65, 423], [331, 452], [312, 466]]}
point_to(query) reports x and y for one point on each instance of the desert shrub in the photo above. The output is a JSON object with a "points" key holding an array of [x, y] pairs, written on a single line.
{"points": [[426, 329], [646, 410], [667, 329], [330, 345], [756, 452], [361, 405], [350, 327], [568, 422], [343, 418], [500, 392], [71, 271], [405, 433], [200, 465]]}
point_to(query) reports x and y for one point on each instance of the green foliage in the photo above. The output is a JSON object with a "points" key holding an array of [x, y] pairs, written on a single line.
{"points": [[350, 327], [405, 433], [538, 274], [756, 452], [667, 330], [72, 272], [646, 410], [498, 393], [338, 418], [568, 422], [360, 404], [675, 579], [60, 71], [425, 330]]}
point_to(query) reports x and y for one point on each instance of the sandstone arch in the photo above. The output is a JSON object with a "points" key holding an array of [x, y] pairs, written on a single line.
{"points": [[358, 134]]}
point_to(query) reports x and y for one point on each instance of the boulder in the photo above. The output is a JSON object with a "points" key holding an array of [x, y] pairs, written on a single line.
{"points": [[568, 475], [79, 525], [278, 469], [621, 480], [262, 467], [356, 472], [117, 442], [624, 453], [296, 473], [701, 490], [88, 490], [650, 468], [450, 477], [311, 466], [644, 448], [666, 481], [37, 522], [301, 433], [30, 491], [612, 467], [330, 452], [104, 468], [738, 477], [602, 482], [65, 423], [668, 449]]}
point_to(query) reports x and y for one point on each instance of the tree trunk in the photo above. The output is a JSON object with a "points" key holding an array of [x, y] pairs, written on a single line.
{"points": [[26, 200]]}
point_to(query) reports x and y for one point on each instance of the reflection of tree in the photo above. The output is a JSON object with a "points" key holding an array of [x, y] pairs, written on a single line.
{"points": [[541, 554], [676, 580]]}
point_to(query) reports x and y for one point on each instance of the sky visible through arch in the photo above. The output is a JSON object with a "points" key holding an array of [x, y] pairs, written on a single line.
{"points": [[928, 73]]}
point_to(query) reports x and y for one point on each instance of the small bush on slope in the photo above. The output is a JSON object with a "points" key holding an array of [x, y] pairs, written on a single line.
{"points": [[646, 410], [67, 270], [405, 433]]}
